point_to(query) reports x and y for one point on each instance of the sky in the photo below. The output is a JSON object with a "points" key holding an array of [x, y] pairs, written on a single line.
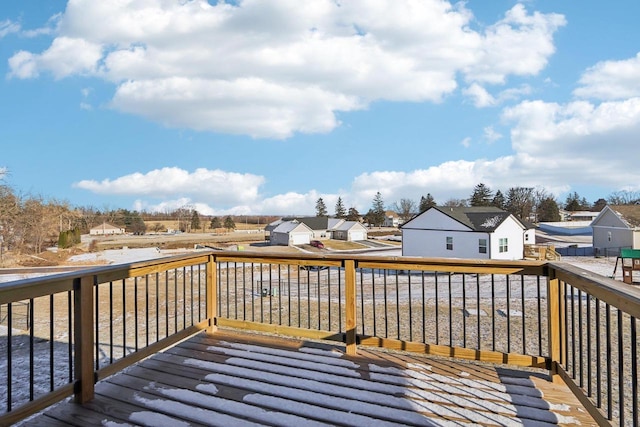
{"points": [[263, 107]]}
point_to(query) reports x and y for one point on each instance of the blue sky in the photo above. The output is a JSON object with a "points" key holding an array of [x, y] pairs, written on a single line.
{"points": [[262, 107]]}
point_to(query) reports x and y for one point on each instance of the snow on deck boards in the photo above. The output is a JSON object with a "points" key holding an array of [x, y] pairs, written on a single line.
{"points": [[231, 379]]}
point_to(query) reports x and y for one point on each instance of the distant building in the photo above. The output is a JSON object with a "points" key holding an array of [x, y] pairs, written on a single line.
{"points": [[616, 227], [471, 232], [105, 229]]}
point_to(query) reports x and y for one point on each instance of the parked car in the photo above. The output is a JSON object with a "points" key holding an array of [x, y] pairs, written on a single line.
{"points": [[317, 244]]}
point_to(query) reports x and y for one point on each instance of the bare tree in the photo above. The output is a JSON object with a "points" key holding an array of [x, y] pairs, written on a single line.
{"points": [[624, 197], [405, 209]]}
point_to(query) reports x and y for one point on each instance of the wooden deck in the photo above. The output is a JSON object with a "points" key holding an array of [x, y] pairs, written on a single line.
{"points": [[232, 379]]}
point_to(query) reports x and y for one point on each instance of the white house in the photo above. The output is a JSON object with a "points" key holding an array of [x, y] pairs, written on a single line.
{"points": [[105, 229], [476, 232], [349, 231], [616, 227], [291, 233]]}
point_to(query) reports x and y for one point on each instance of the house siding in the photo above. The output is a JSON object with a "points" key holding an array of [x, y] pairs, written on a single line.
{"points": [[611, 232], [433, 244], [512, 231]]}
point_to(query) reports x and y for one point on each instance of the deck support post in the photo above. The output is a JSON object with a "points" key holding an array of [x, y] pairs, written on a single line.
{"points": [[555, 324], [84, 340], [212, 294], [350, 305]]}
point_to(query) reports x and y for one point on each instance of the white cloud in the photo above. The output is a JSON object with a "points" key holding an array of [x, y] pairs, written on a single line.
{"points": [[482, 98], [214, 187], [8, 27], [479, 95], [490, 135], [271, 69], [611, 80], [466, 143], [519, 44]]}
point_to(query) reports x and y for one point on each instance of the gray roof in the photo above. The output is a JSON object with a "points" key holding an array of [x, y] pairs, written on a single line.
{"points": [[478, 218], [347, 225]]}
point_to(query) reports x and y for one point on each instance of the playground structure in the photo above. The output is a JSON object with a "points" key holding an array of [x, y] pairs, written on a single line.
{"points": [[630, 262]]}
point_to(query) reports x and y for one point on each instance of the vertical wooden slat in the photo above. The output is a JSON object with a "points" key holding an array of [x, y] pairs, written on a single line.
{"points": [[350, 305], [83, 332], [212, 294], [553, 310]]}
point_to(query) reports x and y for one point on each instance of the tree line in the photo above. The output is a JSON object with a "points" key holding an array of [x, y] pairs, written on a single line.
{"points": [[30, 224], [526, 203]]}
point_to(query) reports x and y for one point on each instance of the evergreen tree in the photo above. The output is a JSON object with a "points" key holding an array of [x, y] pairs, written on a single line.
{"points": [[499, 200], [321, 208], [376, 213], [229, 224], [353, 215], [548, 210], [599, 204], [341, 212], [215, 223], [426, 202], [195, 220], [575, 203], [481, 196]]}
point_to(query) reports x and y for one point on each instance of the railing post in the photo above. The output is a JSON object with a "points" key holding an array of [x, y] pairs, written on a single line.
{"points": [[212, 294], [350, 305], [83, 334], [554, 324]]}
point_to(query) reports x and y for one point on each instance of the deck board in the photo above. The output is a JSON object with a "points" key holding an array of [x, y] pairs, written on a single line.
{"points": [[233, 379]]}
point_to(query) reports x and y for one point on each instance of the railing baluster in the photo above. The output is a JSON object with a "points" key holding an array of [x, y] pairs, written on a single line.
{"points": [[609, 376], [478, 329], [9, 355], [524, 316], [493, 313], [31, 358], [598, 358], [633, 339], [52, 342], [621, 376], [464, 311]]}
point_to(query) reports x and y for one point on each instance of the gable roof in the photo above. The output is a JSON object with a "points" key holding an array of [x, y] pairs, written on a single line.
{"points": [[477, 218], [289, 226], [313, 222], [348, 225], [629, 214]]}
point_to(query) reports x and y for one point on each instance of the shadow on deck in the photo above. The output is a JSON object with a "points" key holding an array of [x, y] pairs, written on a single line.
{"points": [[233, 379]]}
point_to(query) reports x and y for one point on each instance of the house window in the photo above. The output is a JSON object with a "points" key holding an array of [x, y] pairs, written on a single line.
{"points": [[482, 246], [526, 237], [503, 245], [608, 235], [449, 243]]}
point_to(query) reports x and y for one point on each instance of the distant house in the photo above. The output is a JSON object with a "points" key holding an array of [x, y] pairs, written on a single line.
{"points": [[105, 229], [475, 232], [291, 233], [321, 228], [616, 227], [391, 219], [350, 231]]}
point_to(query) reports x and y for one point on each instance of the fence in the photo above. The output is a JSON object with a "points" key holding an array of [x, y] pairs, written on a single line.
{"points": [[90, 324]]}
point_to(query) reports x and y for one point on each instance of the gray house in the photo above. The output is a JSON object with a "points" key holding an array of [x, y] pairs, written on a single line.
{"points": [[291, 233], [349, 231], [616, 227]]}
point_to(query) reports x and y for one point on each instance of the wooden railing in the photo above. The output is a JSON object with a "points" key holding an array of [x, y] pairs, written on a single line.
{"points": [[89, 324]]}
